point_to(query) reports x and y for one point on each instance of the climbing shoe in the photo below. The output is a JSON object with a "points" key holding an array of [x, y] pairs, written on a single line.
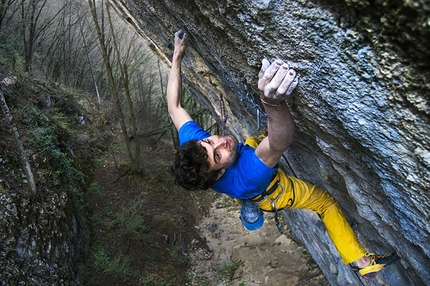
{"points": [[377, 263]]}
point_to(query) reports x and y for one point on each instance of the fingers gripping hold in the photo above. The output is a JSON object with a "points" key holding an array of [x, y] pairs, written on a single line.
{"points": [[293, 85], [277, 81], [268, 74], [180, 39], [181, 35], [286, 86], [264, 65]]}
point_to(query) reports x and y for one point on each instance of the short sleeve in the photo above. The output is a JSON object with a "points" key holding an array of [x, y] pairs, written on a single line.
{"points": [[190, 130]]}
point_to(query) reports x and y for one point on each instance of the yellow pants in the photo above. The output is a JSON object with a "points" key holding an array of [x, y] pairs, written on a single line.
{"points": [[296, 194]]}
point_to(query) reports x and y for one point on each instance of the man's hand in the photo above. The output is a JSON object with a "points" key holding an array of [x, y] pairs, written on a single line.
{"points": [[180, 38], [276, 81]]}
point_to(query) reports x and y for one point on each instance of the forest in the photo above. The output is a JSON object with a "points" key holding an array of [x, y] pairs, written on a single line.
{"points": [[86, 46], [85, 142]]}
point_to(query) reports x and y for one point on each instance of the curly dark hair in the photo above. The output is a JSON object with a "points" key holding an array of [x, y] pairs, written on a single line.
{"points": [[191, 167]]}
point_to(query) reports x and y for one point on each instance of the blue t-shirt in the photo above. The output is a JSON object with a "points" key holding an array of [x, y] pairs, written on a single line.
{"points": [[246, 178]]}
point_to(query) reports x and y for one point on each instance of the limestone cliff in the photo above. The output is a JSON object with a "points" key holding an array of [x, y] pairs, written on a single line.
{"points": [[362, 106]]}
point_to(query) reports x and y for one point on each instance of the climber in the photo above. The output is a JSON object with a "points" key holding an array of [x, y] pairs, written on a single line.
{"points": [[250, 172]]}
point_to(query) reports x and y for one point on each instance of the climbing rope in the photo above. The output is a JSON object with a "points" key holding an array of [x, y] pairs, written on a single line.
{"points": [[224, 115]]}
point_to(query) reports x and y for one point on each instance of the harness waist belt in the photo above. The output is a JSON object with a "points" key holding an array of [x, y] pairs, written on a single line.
{"points": [[266, 193]]}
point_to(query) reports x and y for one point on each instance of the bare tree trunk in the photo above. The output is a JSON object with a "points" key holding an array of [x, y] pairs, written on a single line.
{"points": [[106, 59], [161, 80], [135, 163], [4, 6], [136, 160], [91, 67], [30, 16], [34, 25], [21, 150]]}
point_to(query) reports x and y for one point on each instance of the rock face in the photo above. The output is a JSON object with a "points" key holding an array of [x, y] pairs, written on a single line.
{"points": [[361, 108]]}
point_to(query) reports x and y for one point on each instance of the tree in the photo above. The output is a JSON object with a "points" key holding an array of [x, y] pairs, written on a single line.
{"points": [[5, 5], [33, 25], [106, 51]]}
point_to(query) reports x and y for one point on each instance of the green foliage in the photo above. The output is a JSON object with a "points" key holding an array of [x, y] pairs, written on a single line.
{"points": [[163, 283], [117, 266], [9, 57], [199, 281], [131, 218], [175, 254], [68, 107], [311, 262], [48, 139], [95, 190], [228, 268], [63, 121]]}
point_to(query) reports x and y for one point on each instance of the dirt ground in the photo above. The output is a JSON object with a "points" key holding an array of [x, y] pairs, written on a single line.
{"points": [[236, 256]]}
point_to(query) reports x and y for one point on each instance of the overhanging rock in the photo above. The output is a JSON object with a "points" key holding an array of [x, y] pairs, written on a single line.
{"points": [[362, 106]]}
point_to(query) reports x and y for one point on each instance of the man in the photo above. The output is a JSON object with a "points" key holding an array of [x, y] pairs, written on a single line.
{"points": [[250, 172]]}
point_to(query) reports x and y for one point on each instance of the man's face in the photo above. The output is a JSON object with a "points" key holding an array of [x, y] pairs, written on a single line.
{"points": [[222, 151]]}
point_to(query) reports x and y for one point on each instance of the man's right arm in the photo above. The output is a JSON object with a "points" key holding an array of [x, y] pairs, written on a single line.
{"points": [[174, 85]]}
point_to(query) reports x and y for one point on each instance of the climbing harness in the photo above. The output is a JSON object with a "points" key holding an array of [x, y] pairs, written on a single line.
{"points": [[224, 115], [259, 198], [265, 195], [268, 192]]}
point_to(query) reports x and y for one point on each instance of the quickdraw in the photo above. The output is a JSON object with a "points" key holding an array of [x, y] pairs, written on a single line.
{"points": [[224, 115]]}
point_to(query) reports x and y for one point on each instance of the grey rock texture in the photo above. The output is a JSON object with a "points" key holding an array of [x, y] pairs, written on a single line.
{"points": [[362, 106]]}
